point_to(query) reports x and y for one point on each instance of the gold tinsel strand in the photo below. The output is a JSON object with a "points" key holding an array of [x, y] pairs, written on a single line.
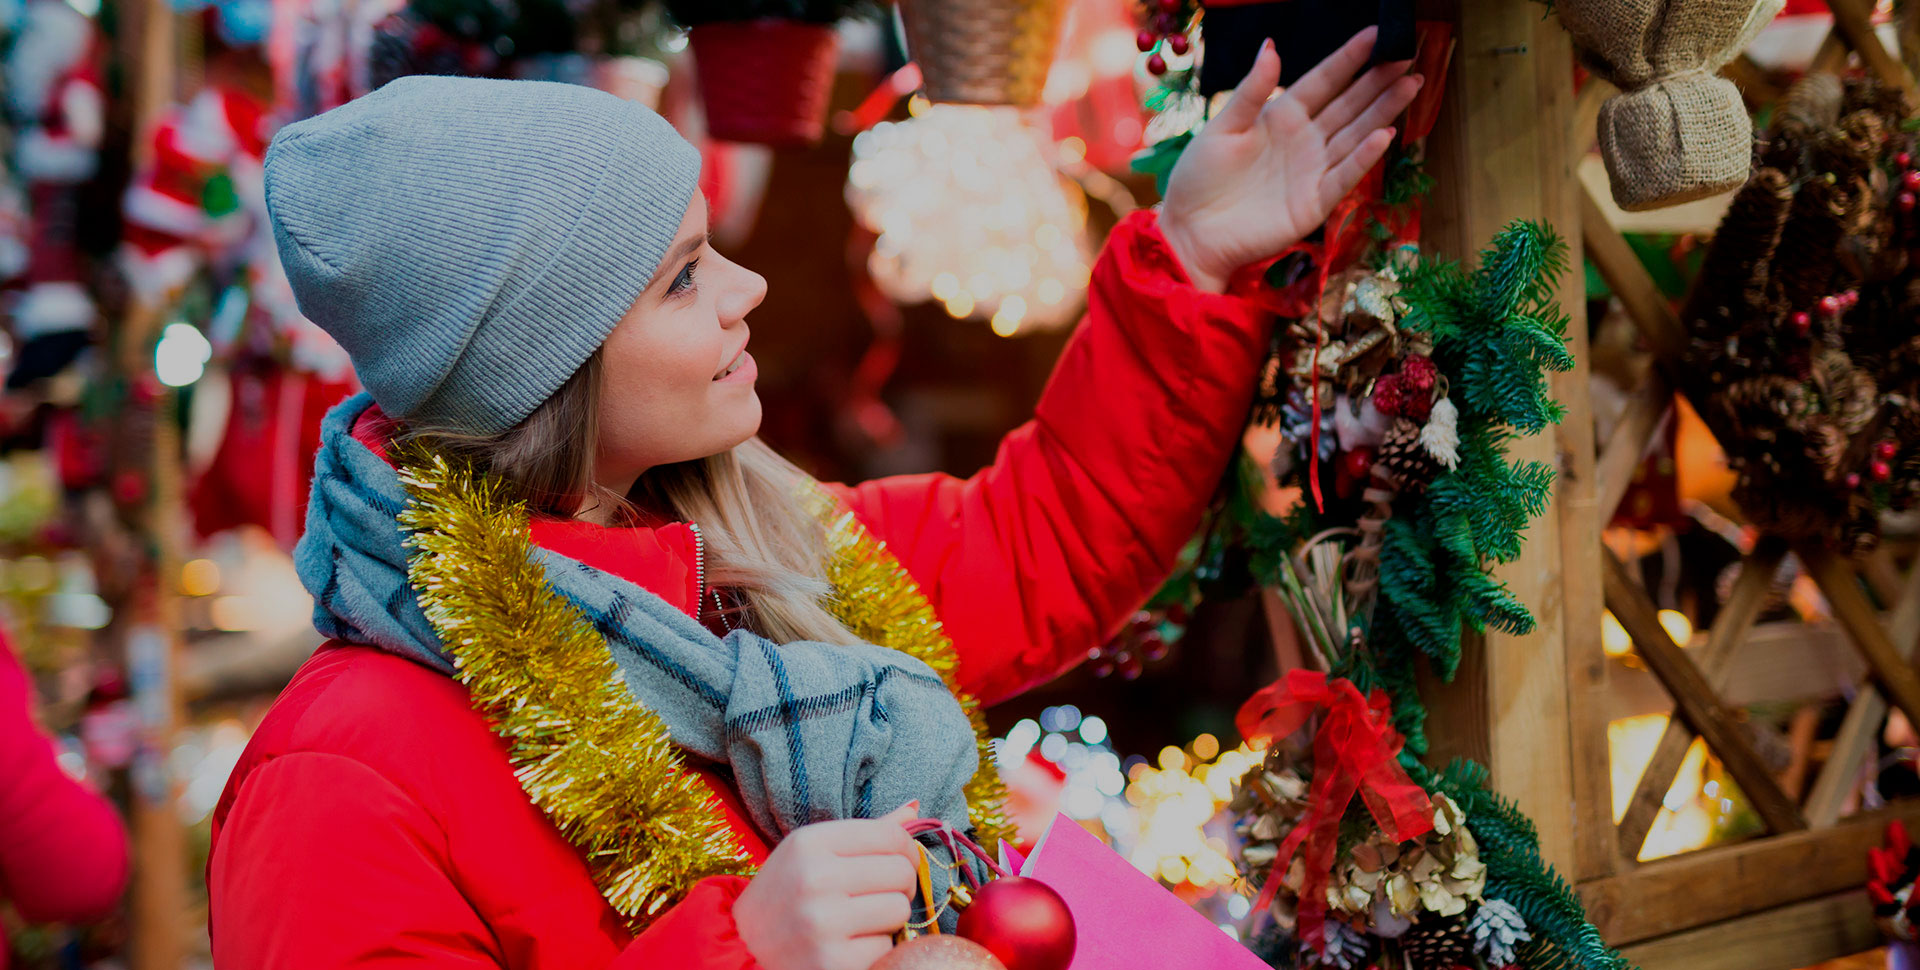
{"points": [[875, 599], [603, 768]]}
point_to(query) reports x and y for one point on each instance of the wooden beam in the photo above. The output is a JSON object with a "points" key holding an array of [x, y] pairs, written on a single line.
{"points": [[1705, 887], [1800, 935], [1695, 698], [1850, 607], [1755, 84], [1736, 618], [1499, 154], [1861, 727], [1645, 414], [1831, 57], [1854, 20], [1783, 663], [1629, 280]]}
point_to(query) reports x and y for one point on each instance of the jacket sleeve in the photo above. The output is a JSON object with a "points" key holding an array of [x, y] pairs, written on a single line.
{"points": [[63, 851], [1040, 556], [322, 863]]}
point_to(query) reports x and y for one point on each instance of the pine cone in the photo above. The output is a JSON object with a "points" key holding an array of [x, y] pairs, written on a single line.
{"points": [[1803, 264], [1847, 392], [1437, 943], [1402, 454], [1812, 104], [1733, 277], [1759, 408]]}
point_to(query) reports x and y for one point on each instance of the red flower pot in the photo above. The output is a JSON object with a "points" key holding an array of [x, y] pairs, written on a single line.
{"points": [[765, 81]]}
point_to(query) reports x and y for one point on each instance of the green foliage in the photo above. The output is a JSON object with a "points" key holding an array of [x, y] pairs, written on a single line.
{"points": [[689, 13]]}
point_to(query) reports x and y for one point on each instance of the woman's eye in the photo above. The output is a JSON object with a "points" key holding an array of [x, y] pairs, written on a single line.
{"points": [[685, 279]]}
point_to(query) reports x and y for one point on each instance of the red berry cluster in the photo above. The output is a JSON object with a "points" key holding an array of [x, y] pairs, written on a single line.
{"points": [[1909, 183], [1137, 644], [1408, 393], [1165, 23]]}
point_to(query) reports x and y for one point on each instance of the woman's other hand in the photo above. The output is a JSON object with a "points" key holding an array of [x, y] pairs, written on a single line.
{"points": [[831, 895], [1264, 172]]}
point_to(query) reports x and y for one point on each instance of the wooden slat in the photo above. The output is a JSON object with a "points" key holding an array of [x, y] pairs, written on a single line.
{"points": [[1783, 663], [1832, 55], [1755, 84], [1854, 20], [1699, 888], [1626, 448], [1861, 726], [1586, 115], [1800, 935], [1850, 607], [1882, 576], [1716, 662], [1629, 280], [1695, 698]]}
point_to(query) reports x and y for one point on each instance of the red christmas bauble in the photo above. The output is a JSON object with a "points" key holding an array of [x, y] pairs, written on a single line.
{"points": [[1881, 470], [1177, 43], [1903, 159], [1169, 6], [1156, 65], [1886, 450], [1145, 40], [1802, 322], [1022, 922], [1853, 479], [1906, 200], [1830, 305], [1911, 180]]}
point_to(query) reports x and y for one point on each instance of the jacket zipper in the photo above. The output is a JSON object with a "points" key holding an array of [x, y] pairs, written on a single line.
{"points": [[699, 569]]}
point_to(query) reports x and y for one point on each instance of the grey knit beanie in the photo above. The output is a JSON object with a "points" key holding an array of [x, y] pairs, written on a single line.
{"points": [[472, 242]]}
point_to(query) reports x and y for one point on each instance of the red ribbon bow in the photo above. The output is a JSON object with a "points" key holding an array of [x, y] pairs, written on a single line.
{"points": [[1355, 751]]}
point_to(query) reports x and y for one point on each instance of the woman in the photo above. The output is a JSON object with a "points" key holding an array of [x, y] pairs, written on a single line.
{"points": [[475, 771]]}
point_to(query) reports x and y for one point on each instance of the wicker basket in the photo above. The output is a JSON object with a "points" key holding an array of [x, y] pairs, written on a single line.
{"points": [[983, 51], [765, 81]]}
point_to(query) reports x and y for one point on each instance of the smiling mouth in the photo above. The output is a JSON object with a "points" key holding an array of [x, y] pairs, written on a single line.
{"points": [[733, 365]]}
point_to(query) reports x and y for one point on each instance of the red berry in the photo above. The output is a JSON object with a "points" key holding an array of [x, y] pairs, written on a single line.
{"points": [[1905, 201], [1390, 396], [1156, 65], [1903, 159], [1911, 181], [1886, 450], [1802, 322], [1155, 646], [1853, 479], [1850, 299], [1830, 305], [1145, 40], [1178, 44], [1420, 372], [1357, 463], [1881, 470], [1166, 23], [1169, 6]]}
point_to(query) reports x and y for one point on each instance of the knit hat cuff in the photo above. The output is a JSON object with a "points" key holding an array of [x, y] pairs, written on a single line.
{"points": [[535, 344]]}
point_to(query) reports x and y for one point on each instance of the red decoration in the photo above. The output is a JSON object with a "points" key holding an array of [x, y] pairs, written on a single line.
{"points": [[1911, 181], [1165, 23], [1169, 6], [1830, 305], [1156, 65], [1881, 470], [1903, 159], [1886, 450], [1905, 200], [782, 99], [1420, 372], [1802, 322], [1356, 467], [1355, 752], [1178, 43], [1022, 922], [1144, 40], [1853, 479]]}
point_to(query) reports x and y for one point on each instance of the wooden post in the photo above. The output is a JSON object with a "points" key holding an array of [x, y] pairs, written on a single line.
{"points": [[1501, 153]]}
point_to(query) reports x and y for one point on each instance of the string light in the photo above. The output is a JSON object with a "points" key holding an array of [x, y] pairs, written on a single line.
{"points": [[971, 212]]}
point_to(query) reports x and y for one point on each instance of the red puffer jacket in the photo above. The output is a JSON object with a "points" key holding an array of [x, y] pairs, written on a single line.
{"points": [[374, 820]]}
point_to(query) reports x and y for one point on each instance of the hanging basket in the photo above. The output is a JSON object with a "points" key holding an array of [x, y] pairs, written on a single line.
{"points": [[983, 51], [765, 81]]}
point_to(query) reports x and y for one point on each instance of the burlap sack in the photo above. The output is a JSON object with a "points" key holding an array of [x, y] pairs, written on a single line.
{"points": [[1677, 131]]}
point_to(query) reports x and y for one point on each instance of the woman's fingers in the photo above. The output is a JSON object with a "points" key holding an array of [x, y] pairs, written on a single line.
{"points": [[1328, 78], [877, 874], [875, 913], [1345, 174], [1243, 105], [1359, 96], [1385, 107]]}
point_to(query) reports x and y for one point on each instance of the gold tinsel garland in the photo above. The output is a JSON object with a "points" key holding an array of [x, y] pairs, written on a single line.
{"points": [[602, 767]]}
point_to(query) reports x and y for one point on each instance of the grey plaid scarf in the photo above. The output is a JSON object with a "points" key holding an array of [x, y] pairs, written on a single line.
{"points": [[811, 731]]}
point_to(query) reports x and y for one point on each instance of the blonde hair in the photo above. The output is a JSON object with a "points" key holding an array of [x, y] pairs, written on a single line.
{"points": [[761, 541]]}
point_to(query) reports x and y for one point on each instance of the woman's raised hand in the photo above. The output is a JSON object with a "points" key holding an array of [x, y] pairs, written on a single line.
{"points": [[1265, 171], [831, 895]]}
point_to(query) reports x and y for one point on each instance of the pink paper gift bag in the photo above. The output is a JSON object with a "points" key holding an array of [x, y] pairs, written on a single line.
{"points": [[1122, 918]]}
